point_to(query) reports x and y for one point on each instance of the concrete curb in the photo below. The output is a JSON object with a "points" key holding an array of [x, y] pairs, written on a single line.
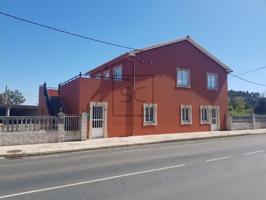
{"points": [[25, 154]]}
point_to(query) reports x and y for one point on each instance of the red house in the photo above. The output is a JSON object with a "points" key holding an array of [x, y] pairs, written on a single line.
{"points": [[171, 87]]}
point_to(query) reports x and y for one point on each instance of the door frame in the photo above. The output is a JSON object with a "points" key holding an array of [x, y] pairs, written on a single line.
{"points": [[104, 104], [217, 116]]}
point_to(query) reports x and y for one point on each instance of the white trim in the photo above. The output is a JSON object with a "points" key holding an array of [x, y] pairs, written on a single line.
{"points": [[104, 104], [209, 54], [188, 71], [190, 114], [218, 116], [145, 123], [208, 114]]}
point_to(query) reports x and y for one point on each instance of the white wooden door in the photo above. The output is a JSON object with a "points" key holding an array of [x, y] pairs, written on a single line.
{"points": [[97, 121], [214, 119]]}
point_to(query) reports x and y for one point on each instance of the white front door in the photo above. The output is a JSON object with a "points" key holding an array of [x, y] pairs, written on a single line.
{"points": [[97, 121], [214, 119]]}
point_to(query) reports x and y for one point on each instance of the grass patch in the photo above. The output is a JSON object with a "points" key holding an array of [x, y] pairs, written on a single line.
{"points": [[240, 112]]}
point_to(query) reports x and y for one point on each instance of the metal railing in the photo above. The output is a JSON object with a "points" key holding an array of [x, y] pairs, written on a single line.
{"points": [[117, 78], [27, 123], [72, 122]]}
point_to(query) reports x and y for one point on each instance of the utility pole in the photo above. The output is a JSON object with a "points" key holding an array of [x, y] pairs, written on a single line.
{"points": [[5, 98], [6, 103]]}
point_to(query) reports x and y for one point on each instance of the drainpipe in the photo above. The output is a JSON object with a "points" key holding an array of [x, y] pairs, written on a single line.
{"points": [[134, 87]]}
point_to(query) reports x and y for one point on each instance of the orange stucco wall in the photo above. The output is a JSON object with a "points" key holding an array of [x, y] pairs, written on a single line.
{"points": [[155, 82], [42, 108]]}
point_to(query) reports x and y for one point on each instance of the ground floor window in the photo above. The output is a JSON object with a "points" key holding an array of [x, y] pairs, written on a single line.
{"points": [[186, 114], [204, 114], [150, 114]]}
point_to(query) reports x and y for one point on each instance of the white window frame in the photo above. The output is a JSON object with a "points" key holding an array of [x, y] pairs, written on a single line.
{"points": [[216, 81], [154, 122], [203, 121], [189, 121], [115, 76], [106, 74], [177, 79]]}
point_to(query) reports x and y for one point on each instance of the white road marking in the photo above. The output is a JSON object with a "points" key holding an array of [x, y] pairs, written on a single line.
{"points": [[93, 181], [253, 152], [216, 159]]}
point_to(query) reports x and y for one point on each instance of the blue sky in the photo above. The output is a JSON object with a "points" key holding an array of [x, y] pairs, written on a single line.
{"points": [[234, 31]]}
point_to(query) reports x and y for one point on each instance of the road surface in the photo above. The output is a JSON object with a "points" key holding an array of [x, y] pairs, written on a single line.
{"points": [[221, 169]]}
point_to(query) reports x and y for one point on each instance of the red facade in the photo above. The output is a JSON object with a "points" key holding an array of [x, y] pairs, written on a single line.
{"points": [[149, 79]]}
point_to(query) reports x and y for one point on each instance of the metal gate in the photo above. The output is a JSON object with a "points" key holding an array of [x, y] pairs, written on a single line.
{"points": [[72, 128]]}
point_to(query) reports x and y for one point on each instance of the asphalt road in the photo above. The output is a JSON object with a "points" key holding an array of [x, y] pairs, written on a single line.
{"points": [[220, 169]]}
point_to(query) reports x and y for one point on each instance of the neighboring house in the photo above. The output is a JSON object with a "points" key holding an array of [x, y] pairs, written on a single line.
{"points": [[18, 110], [171, 87]]}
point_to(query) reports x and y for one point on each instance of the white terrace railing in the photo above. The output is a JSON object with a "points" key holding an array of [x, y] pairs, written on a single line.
{"points": [[27, 123]]}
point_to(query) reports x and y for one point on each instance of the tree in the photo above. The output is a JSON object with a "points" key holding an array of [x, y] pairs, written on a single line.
{"points": [[238, 103], [1, 98], [261, 107], [251, 98], [12, 97]]}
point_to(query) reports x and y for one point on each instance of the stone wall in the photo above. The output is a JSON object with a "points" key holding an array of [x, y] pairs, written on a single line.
{"points": [[241, 125], [246, 122], [27, 137], [15, 132]]}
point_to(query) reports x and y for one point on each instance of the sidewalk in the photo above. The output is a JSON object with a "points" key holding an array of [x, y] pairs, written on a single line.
{"points": [[51, 148]]}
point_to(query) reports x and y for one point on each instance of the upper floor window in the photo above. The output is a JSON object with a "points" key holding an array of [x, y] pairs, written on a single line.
{"points": [[117, 73], [150, 114], [106, 74], [186, 114], [183, 77], [212, 81]]}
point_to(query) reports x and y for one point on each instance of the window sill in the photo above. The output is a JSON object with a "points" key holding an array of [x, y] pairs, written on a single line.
{"points": [[186, 123], [180, 86], [213, 89], [204, 123], [149, 124]]}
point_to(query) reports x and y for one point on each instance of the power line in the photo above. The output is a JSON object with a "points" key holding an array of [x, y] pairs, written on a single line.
{"points": [[252, 70], [110, 43], [243, 79], [66, 32]]}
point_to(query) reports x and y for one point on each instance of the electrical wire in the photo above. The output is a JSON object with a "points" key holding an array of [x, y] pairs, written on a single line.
{"points": [[66, 32], [243, 79], [252, 70]]}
